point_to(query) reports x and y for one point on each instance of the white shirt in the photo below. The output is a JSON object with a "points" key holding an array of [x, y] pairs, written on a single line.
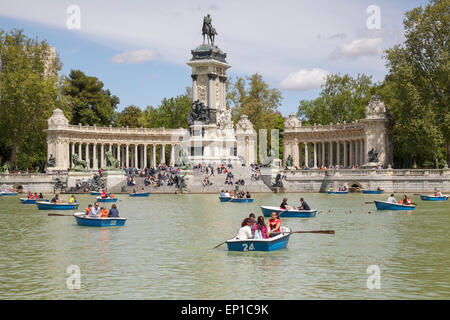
{"points": [[392, 200], [244, 233], [227, 194]]}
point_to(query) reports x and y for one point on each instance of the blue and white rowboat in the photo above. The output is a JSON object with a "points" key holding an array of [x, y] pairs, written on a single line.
{"points": [[95, 193], [140, 194], [384, 205], [278, 242], [9, 193], [267, 212], [84, 220], [338, 192], [241, 200], [434, 198], [225, 199], [372, 191], [100, 199], [32, 201], [42, 205]]}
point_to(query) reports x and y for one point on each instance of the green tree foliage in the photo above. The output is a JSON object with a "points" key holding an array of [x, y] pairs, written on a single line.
{"points": [[416, 88], [342, 98], [171, 113], [89, 103], [130, 116], [28, 94]]}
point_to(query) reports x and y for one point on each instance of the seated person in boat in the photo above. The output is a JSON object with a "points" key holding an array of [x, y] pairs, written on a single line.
{"points": [[391, 199], [222, 194], [103, 212], [30, 195], [405, 200], [88, 209], [111, 195], [55, 199], [248, 195], [104, 194], [284, 205], [35, 196], [252, 217], [72, 199], [303, 205], [273, 225], [259, 229], [245, 232], [113, 212], [227, 194], [95, 211], [41, 196], [438, 193]]}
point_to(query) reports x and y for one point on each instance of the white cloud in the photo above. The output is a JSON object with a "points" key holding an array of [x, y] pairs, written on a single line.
{"points": [[135, 57], [304, 79], [358, 48]]}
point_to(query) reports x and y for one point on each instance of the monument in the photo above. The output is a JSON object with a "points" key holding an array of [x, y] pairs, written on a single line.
{"points": [[212, 138]]}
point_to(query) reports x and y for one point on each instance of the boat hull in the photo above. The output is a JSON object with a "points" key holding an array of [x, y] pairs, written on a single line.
{"points": [[143, 194], [433, 198], [224, 199], [82, 220], [32, 201], [276, 243], [383, 205], [337, 192], [56, 206], [100, 199], [9, 193], [95, 193], [372, 191], [243, 200], [267, 212]]}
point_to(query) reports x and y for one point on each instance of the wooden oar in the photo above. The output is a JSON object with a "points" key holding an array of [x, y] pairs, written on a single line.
{"points": [[219, 244], [368, 202], [312, 231], [60, 215]]}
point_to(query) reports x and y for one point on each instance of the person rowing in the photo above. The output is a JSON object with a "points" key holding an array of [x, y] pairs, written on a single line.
{"points": [[405, 200], [284, 205], [95, 211], [245, 232], [273, 225], [303, 205], [391, 199]]}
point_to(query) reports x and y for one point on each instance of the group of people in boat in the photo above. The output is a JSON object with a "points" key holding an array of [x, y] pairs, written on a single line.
{"points": [[404, 200], [259, 229], [236, 195], [95, 211], [35, 196], [303, 205], [105, 194]]}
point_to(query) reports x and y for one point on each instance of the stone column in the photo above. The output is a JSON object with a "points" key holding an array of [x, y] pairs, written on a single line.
{"points": [[357, 154], [315, 154], [88, 158], [211, 91], [172, 155], [127, 155], [118, 154], [306, 154], [102, 155], [330, 153], [338, 153], [351, 153], [345, 154], [294, 152], [163, 154], [73, 152], [110, 147], [223, 91], [145, 155], [323, 154], [361, 151], [136, 156], [80, 152], [94, 157], [153, 164], [194, 87]]}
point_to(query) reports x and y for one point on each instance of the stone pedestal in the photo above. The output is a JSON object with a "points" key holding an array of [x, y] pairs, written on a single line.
{"points": [[115, 180], [73, 176]]}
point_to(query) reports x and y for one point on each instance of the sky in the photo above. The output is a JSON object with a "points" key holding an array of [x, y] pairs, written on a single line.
{"points": [[139, 48]]}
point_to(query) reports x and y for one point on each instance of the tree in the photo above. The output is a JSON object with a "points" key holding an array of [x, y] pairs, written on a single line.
{"points": [[130, 116], [28, 94], [90, 104], [417, 85], [342, 98]]}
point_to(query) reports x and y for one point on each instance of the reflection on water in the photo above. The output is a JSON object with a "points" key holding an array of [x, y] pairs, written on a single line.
{"points": [[165, 251]]}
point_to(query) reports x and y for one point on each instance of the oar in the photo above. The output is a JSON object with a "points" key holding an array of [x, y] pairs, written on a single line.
{"points": [[219, 244], [368, 202], [312, 231], [60, 215], [258, 197]]}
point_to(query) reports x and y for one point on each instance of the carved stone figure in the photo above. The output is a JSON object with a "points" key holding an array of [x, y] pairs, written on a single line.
{"points": [[51, 161], [292, 122], [224, 120], [208, 30], [200, 113], [244, 124], [289, 161], [375, 109], [57, 119], [79, 165], [373, 155], [111, 162], [278, 183]]}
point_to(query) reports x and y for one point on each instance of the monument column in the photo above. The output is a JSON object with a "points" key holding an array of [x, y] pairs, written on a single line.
{"points": [[88, 158], [361, 151], [345, 154], [223, 91], [80, 152], [94, 157], [127, 156], [135, 156], [194, 87], [306, 155], [338, 153], [330, 153], [73, 152], [315, 154], [153, 164], [295, 155], [102, 155], [163, 154], [323, 154], [145, 156], [172, 155], [211, 90], [351, 153]]}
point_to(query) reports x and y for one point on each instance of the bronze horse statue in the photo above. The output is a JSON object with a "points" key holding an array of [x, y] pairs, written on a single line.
{"points": [[208, 30]]}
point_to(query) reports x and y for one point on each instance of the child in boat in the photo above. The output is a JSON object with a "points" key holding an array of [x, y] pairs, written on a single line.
{"points": [[88, 209], [405, 200], [284, 204], [103, 212], [259, 229], [104, 194], [245, 232], [248, 195], [72, 199], [273, 225], [391, 199]]}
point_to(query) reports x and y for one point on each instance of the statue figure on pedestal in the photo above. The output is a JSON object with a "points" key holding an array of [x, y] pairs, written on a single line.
{"points": [[208, 29], [79, 165], [373, 155], [111, 162], [51, 161], [289, 161]]}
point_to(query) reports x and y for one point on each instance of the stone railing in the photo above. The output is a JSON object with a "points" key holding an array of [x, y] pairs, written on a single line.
{"points": [[365, 172], [94, 129]]}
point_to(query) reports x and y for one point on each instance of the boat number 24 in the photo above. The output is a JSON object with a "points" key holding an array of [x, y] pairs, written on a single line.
{"points": [[247, 247]]}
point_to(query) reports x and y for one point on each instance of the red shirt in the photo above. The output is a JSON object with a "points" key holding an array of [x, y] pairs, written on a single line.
{"points": [[273, 224]]}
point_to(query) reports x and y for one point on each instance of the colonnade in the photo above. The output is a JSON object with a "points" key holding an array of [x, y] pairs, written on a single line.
{"points": [[316, 154], [139, 156]]}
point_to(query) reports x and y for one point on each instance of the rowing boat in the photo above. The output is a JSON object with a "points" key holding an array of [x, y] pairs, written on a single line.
{"points": [[32, 201], [372, 191], [241, 200], [384, 205], [225, 199], [42, 205], [100, 199], [267, 211], [338, 192], [434, 198], [276, 243], [140, 194], [84, 220]]}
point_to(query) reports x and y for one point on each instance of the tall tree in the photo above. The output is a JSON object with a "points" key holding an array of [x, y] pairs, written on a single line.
{"points": [[130, 116], [417, 85], [28, 94], [89, 102]]}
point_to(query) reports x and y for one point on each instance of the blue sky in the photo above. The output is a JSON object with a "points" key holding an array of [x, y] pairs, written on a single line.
{"points": [[139, 49]]}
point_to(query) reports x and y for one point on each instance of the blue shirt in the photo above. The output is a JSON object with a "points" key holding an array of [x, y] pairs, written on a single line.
{"points": [[113, 213]]}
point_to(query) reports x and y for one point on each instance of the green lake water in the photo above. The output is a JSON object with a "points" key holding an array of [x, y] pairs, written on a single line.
{"points": [[165, 251]]}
